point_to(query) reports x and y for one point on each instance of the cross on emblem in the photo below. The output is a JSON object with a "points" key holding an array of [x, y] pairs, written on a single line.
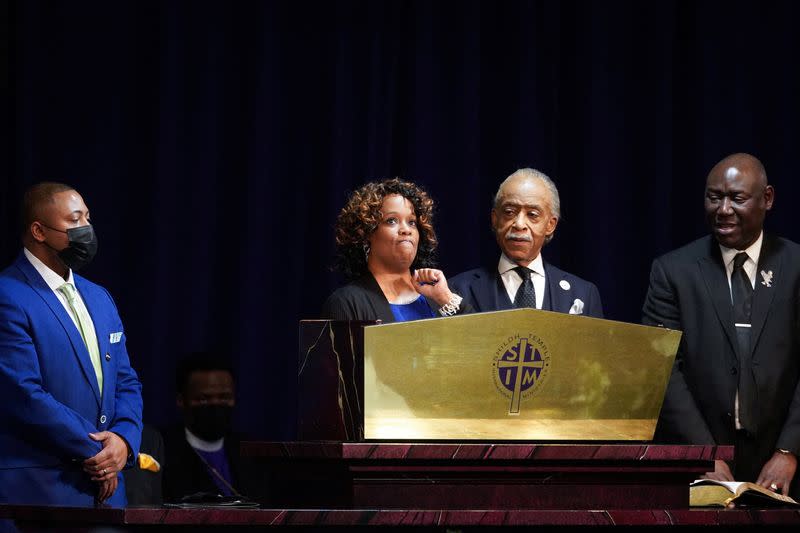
{"points": [[528, 363]]}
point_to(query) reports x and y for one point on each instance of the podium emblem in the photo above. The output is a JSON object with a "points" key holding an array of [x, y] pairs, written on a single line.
{"points": [[520, 368]]}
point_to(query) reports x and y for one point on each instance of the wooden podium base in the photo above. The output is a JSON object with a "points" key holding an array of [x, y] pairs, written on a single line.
{"points": [[321, 485], [342, 475], [152, 520]]}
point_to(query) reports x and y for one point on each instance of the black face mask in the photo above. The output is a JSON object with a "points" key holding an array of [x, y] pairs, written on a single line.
{"points": [[209, 422], [82, 246]]}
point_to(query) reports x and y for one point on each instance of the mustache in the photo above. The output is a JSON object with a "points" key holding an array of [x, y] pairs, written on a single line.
{"points": [[518, 236]]}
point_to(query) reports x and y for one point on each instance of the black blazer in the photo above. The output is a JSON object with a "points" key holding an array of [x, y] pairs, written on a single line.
{"points": [[363, 299], [483, 290], [689, 291], [143, 487]]}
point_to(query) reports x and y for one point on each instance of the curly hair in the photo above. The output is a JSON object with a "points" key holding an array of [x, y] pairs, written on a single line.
{"points": [[361, 216]]}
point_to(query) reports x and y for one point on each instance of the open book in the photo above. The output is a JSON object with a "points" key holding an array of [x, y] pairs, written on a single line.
{"points": [[710, 493]]}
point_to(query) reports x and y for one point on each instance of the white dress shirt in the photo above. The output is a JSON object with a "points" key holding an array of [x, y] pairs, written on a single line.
{"points": [[54, 281], [513, 282], [203, 445], [750, 266]]}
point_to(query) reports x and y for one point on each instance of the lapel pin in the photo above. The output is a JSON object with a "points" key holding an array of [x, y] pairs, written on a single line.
{"points": [[767, 278], [564, 284]]}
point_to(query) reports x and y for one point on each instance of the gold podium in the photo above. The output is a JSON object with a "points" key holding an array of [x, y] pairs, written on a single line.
{"points": [[532, 411], [522, 374]]}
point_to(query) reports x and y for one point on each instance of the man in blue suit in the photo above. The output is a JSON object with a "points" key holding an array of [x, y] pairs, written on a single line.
{"points": [[524, 218], [70, 402]]}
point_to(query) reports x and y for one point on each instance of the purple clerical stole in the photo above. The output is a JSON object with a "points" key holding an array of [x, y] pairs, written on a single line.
{"points": [[219, 462]]}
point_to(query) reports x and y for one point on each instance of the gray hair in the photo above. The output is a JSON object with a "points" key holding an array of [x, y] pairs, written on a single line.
{"points": [[532, 173]]}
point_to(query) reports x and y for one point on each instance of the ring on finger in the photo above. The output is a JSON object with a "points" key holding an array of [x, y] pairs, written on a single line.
{"points": [[105, 471], [773, 486]]}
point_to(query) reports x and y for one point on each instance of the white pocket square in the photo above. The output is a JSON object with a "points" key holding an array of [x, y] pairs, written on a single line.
{"points": [[115, 337], [577, 307]]}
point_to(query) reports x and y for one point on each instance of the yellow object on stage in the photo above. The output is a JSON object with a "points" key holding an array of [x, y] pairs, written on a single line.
{"points": [[148, 462]]}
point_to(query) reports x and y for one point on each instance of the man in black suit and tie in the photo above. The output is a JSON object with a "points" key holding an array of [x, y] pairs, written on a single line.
{"points": [[736, 296], [524, 218]]}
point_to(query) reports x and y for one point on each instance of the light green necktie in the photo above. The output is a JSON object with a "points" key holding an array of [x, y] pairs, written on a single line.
{"points": [[86, 327]]}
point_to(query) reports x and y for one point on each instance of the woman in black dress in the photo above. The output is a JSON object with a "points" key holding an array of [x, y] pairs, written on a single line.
{"points": [[385, 246]]}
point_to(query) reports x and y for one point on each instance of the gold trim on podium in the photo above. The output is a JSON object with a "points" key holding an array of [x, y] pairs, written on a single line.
{"points": [[520, 374]]}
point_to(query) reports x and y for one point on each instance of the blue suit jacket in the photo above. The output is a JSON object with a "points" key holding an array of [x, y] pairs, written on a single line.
{"points": [[483, 289], [49, 397]]}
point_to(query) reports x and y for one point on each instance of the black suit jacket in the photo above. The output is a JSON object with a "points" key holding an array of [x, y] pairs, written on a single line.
{"points": [[689, 291], [483, 290], [363, 299], [144, 487]]}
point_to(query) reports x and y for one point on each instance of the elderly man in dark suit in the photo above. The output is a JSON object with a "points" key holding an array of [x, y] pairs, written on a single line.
{"points": [[524, 218], [736, 296]]}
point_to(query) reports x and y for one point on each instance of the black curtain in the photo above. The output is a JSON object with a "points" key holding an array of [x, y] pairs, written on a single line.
{"points": [[215, 142]]}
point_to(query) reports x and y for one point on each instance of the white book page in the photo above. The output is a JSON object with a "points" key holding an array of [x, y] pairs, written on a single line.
{"points": [[732, 486]]}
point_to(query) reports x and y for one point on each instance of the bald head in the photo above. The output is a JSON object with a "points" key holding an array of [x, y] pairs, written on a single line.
{"points": [[737, 200], [741, 162]]}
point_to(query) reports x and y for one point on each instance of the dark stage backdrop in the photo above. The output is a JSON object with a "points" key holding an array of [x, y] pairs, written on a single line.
{"points": [[215, 143]]}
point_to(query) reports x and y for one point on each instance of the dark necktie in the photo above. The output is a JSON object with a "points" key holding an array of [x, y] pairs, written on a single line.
{"points": [[526, 294], [742, 294]]}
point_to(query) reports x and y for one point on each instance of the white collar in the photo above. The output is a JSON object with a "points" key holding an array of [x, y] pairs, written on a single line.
{"points": [[203, 445], [506, 264], [53, 280], [753, 251]]}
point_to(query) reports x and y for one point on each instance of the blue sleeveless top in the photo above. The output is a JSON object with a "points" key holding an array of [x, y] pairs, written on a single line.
{"points": [[416, 310]]}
